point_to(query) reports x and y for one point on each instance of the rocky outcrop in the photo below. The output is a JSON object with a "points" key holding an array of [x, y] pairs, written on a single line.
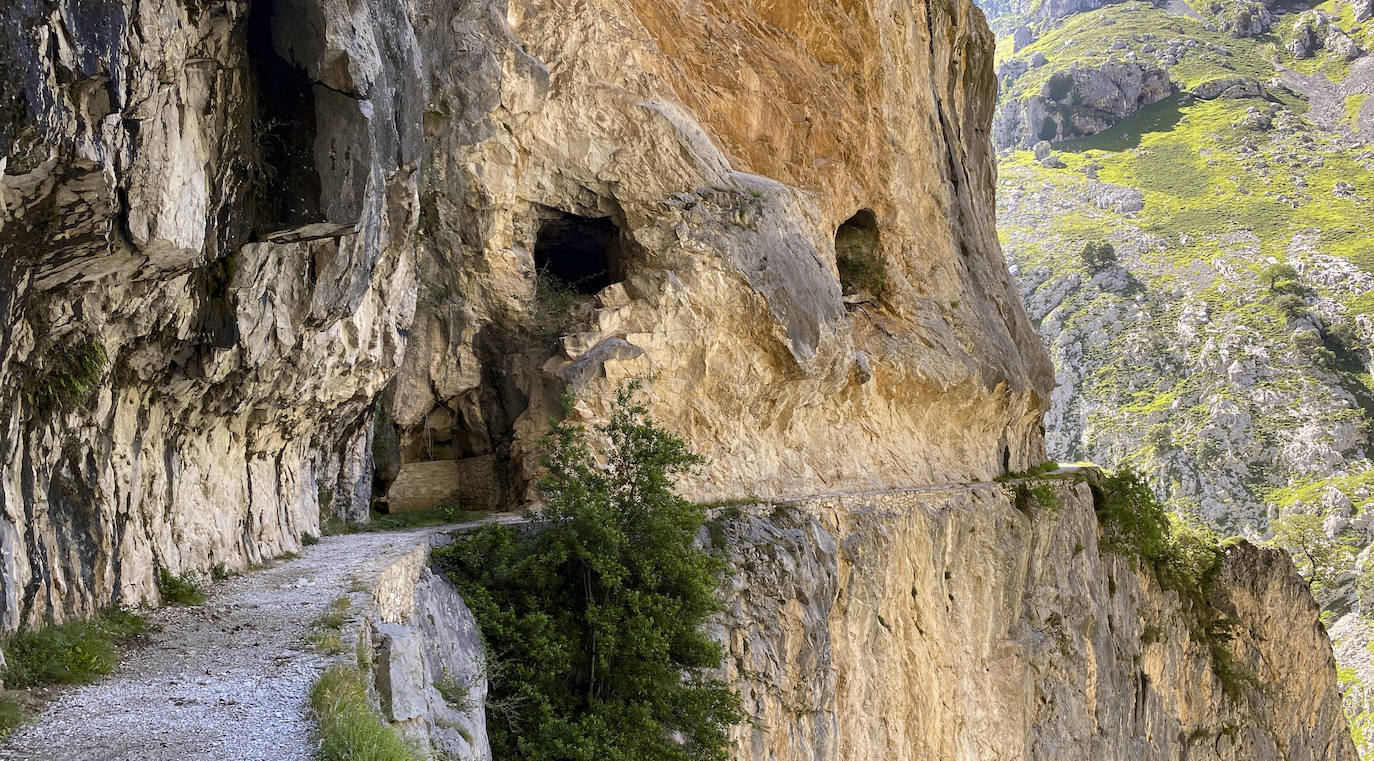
{"points": [[207, 275], [714, 212], [949, 624], [1082, 100], [226, 224], [421, 646]]}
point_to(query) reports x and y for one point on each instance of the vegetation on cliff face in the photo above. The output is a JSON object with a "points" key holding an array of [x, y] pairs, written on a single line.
{"points": [[593, 619], [1225, 353]]}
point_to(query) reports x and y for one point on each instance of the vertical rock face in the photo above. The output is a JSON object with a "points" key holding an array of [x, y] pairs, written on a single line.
{"points": [[205, 273], [948, 624], [221, 218], [711, 155]]}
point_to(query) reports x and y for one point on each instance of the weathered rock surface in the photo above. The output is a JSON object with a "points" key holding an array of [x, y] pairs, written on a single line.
{"points": [[1084, 100], [206, 278], [221, 220], [722, 203], [947, 624]]}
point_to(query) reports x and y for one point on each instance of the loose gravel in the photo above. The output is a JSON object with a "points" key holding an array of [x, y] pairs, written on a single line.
{"points": [[223, 681]]}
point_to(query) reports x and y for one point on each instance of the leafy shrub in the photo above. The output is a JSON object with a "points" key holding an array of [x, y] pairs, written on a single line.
{"points": [[1319, 558], [860, 270], [1097, 255], [71, 373], [1185, 558], [1290, 305], [180, 589], [1135, 524], [593, 617], [12, 714], [351, 729], [555, 303], [1160, 436], [70, 653]]}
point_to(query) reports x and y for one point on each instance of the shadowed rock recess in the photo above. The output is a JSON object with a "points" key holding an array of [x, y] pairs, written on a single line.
{"points": [[255, 258]]}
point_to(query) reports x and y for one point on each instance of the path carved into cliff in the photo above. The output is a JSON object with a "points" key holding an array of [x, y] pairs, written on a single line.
{"points": [[223, 681]]}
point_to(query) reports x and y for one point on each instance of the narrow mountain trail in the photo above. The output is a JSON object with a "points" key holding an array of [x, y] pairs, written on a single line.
{"points": [[223, 681]]}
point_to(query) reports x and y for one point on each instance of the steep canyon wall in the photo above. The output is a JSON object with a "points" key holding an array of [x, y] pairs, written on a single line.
{"points": [[241, 240]]}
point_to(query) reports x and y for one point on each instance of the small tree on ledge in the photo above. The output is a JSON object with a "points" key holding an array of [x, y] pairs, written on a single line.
{"points": [[593, 621]]}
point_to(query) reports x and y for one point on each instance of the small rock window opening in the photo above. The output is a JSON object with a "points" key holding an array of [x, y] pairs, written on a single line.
{"points": [[582, 253], [859, 257]]}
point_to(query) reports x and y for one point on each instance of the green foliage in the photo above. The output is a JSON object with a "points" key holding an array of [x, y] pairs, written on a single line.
{"points": [[1281, 277], [593, 616], [1185, 558], [71, 373], [1135, 524], [1160, 437], [1097, 254], [1320, 559], [326, 631], [1037, 496], [180, 589], [70, 653], [439, 515], [12, 713], [351, 728], [309, 540], [861, 270], [555, 304]]}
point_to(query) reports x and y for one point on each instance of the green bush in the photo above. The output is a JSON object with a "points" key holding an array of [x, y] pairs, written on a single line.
{"points": [[351, 729], [180, 589], [70, 653], [860, 270], [593, 617], [1135, 524], [1097, 255], [1184, 557]]}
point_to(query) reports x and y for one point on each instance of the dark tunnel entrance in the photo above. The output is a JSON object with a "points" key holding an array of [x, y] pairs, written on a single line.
{"points": [[583, 252]]}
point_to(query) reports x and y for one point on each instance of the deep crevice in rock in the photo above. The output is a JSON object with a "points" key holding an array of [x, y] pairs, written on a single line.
{"points": [[283, 130]]}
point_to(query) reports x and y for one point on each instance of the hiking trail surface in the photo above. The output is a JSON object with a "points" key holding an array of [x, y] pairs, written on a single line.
{"points": [[223, 681]]}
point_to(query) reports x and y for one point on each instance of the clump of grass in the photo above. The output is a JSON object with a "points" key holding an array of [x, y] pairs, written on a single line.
{"points": [[221, 572], [351, 728], [434, 516], [326, 631], [180, 589], [72, 653], [309, 540], [12, 714]]}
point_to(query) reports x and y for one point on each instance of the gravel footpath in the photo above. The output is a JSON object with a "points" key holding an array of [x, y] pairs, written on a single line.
{"points": [[224, 681]]}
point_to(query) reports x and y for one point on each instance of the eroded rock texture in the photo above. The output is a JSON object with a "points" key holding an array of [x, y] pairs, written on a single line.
{"points": [[227, 224], [711, 154], [207, 272], [948, 624]]}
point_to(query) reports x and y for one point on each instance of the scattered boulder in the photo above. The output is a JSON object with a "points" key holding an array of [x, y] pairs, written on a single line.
{"points": [[1041, 150], [1021, 38], [1229, 87], [1038, 59]]}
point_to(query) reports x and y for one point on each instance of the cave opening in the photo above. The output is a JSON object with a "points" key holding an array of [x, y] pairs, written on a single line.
{"points": [[584, 253], [858, 255], [287, 184]]}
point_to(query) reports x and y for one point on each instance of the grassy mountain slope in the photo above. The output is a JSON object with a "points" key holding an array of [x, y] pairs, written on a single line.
{"points": [[1225, 351]]}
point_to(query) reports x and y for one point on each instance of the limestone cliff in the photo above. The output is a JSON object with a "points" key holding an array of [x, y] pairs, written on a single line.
{"points": [[252, 254], [227, 224], [716, 152], [946, 623]]}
